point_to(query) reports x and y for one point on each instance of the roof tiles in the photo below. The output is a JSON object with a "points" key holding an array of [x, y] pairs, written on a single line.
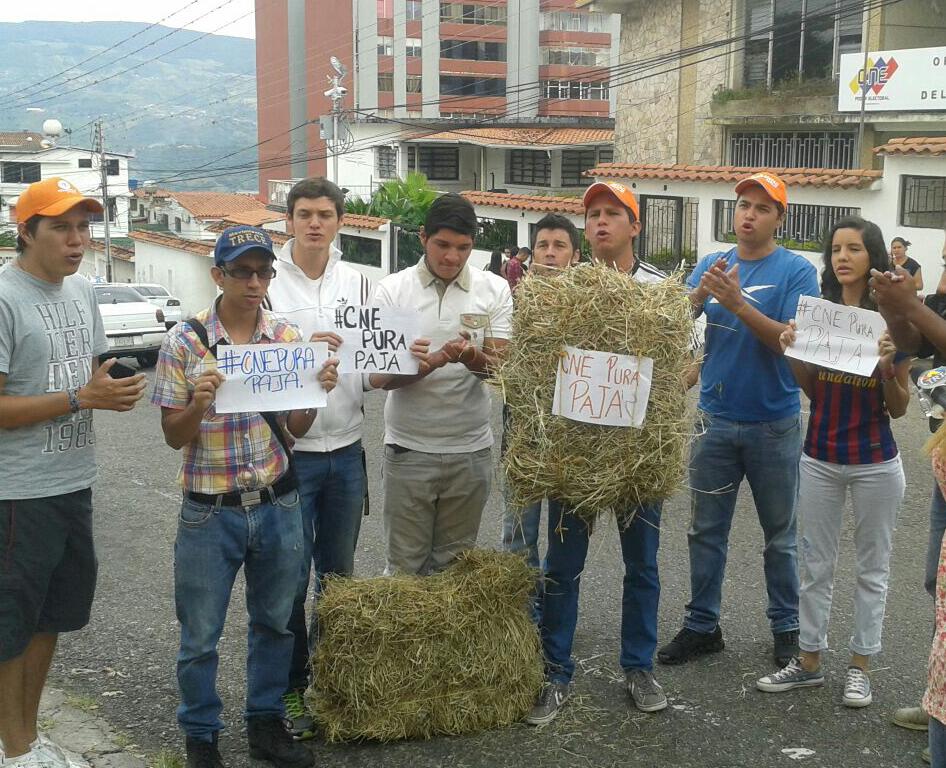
{"points": [[523, 136], [793, 177], [547, 204], [914, 145]]}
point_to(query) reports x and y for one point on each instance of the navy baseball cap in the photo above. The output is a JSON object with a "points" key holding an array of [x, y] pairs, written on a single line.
{"points": [[235, 241]]}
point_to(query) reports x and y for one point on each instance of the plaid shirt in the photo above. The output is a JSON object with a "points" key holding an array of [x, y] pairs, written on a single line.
{"points": [[232, 451]]}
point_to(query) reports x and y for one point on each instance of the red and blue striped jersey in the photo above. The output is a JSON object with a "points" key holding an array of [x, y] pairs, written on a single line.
{"points": [[849, 423]]}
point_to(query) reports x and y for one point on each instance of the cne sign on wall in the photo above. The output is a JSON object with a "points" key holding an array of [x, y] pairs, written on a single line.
{"points": [[909, 79]]}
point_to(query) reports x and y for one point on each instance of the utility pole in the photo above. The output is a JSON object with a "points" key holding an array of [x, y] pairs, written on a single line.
{"points": [[336, 93], [103, 169]]}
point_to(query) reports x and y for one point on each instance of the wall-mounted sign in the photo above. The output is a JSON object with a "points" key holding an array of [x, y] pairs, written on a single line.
{"points": [[910, 79]]}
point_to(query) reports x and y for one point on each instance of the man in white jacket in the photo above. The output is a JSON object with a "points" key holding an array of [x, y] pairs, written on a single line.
{"points": [[311, 282]]}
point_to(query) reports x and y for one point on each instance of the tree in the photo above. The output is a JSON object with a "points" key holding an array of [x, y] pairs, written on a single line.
{"points": [[8, 238]]}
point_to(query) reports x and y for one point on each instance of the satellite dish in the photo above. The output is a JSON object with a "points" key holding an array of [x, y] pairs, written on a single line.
{"points": [[338, 66], [52, 127]]}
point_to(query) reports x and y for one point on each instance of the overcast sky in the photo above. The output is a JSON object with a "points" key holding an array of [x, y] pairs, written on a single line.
{"points": [[235, 17]]}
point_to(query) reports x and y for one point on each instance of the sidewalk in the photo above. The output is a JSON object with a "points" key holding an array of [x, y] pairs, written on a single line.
{"points": [[73, 723]]}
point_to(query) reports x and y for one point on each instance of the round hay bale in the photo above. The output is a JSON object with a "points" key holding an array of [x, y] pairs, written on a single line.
{"points": [[591, 467], [404, 657]]}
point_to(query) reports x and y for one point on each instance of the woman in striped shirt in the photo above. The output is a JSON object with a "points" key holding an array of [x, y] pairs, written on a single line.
{"points": [[849, 447]]}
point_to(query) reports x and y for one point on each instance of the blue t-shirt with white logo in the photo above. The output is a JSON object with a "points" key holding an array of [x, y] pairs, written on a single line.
{"points": [[742, 379]]}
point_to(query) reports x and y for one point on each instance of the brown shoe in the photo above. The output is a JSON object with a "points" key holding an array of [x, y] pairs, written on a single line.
{"points": [[913, 718]]}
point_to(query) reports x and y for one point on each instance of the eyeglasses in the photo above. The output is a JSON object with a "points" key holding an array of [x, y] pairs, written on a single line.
{"points": [[245, 273]]}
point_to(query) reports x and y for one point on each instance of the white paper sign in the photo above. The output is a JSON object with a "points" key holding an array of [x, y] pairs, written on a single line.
{"points": [[602, 387], [374, 339], [270, 377], [836, 336]]}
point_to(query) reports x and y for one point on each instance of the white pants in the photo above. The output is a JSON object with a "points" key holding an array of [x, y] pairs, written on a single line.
{"points": [[876, 493]]}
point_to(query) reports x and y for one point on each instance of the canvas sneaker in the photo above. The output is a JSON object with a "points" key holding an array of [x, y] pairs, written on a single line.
{"points": [[792, 675], [645, 691], [913, 718], [550, 701], [35, 758], [856, 688], [56, 753], [298, 720], [688, 644]]}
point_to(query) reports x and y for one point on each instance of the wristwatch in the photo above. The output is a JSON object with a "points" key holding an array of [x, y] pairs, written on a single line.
{"points": [[73, 393]]}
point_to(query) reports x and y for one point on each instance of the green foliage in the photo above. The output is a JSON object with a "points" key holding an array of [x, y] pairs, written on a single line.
{"points": [[404, 201], [8, 238], [791, 88], [496, 234]]}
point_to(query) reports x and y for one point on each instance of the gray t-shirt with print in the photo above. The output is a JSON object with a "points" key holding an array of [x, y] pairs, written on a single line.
{"points": [[49, 335]]}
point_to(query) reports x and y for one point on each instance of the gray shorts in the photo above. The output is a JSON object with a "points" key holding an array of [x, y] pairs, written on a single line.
{"points": [[47, 567]]}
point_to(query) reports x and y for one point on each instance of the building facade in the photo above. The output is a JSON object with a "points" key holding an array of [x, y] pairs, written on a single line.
{"points": [[408, 62]]}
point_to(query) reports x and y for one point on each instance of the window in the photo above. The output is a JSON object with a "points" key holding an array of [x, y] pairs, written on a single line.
{"points": [[574, 21], [436, 163], [793, 149], [385, 46], [112, 212], [361, 250], [575, 57], [414, 84], [606, 155], [111, 166], [177, 224], [803, 230], [454, 85], [85, 162], [463, 13], [575, 89], [923, 201], [414, 47], [19, 173], [385, 162], [472, 50], [386, 82], [414, 11], [574, 163], [528, 166], [790, 39]]}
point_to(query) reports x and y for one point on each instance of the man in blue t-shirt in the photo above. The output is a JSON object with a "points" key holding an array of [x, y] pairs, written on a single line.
{"points": [[748, 423]]}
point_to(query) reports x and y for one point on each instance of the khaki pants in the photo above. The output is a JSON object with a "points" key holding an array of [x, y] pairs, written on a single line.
{"points": [[433, 504]]}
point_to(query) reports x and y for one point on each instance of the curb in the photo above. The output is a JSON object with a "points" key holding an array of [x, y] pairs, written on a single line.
{"points": [[73, 723]]}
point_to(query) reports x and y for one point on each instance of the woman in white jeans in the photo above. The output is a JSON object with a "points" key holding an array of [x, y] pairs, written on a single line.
{"points": [[849, 447]]}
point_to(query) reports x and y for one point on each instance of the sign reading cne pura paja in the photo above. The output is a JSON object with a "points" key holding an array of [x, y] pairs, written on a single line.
{"points": [[909, 79]]}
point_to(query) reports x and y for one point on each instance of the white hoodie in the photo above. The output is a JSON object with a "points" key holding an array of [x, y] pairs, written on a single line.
{"points": [[310, 304]]}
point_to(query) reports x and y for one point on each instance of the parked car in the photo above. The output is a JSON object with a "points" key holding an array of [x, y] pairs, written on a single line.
{"points": [[161, 297], [134, 327]]}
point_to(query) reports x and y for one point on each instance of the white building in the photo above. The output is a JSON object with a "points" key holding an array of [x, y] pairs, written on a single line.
{"points": [[191, 214], [94, 263], [27, 157]]}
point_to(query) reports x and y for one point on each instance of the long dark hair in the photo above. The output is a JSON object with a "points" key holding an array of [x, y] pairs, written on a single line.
{"points": [[876, 248], [496, 262]]}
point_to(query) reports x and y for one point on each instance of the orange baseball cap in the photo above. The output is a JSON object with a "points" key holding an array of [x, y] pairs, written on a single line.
{"points": [[771, 184], [52, 197], [618, 191]]}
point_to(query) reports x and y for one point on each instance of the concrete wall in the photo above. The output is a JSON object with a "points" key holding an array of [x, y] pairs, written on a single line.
{"points": [[93, 265], [913, 24], [185, 275]]}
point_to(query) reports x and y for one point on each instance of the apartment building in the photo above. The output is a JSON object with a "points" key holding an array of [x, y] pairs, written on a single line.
{"points": [[413, 64]]}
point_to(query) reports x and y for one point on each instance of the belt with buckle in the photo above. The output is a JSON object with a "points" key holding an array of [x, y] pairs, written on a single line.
{"points": [[272, 492]]}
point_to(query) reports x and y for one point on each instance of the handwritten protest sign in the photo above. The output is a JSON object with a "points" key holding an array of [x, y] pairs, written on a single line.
{"points": [[602, 387], [270, 377], [836, 336], [374, 339]]}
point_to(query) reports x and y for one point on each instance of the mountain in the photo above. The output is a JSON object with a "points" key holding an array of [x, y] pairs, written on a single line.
{"points": [[194, 104]]}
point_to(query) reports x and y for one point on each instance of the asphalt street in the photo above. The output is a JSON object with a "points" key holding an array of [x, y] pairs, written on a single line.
{"points": [[124, 660]]}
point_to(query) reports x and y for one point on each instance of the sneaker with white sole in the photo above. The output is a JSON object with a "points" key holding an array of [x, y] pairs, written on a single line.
{"points": [[35, 758], [645, 691], [912, 718], [553, 696], [792, 675], [68, 760], [299, 721], [856, 688]]}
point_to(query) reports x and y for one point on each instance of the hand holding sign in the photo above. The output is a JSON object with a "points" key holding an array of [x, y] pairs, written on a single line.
{"points": [[273, 377], [205, 389], [836, 336]]}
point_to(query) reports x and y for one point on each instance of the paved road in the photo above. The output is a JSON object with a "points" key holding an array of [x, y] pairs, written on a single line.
{"points": [[125, 659]]}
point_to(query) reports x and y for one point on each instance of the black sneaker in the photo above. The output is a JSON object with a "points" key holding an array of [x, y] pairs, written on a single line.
{"points": [[269, 740], [784, 646], [203, 754], [688, 644]]}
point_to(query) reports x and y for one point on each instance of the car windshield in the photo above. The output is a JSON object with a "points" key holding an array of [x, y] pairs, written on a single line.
{"points": [[147, 290], [117, 295]]}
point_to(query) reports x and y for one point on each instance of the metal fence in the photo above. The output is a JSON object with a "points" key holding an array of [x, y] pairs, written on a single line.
{"points": [[793, 149], [668, 231], [803, 230]]}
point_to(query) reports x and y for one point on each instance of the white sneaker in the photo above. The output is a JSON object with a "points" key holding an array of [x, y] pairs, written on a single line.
{"points": [[856, 688], [56, 753], [35, 758]]}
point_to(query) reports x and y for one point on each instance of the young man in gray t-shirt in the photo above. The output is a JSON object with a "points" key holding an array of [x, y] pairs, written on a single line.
{"points": [[51, 337]]}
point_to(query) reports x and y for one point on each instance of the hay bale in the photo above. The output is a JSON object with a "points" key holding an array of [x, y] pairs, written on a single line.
{"points": [[592, 467], [413, 657]]}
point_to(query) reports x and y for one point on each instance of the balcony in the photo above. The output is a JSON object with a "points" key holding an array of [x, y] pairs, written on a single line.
{"points": [[279, 191], [814, 101]]}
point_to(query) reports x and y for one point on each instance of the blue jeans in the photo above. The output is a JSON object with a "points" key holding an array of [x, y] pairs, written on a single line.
{"points": [[937, 743], [937, 528], [521, 536], [212, 544], [564, 563], [332, 494], [767, 455]]}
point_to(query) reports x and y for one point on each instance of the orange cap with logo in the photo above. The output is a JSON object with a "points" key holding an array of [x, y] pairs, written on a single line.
{"points": [[771, 184], [622, 194], [52, 197]]}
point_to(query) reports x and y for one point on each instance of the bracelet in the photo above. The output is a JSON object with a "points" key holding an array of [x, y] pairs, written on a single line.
{"points": [[73, 395]]}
